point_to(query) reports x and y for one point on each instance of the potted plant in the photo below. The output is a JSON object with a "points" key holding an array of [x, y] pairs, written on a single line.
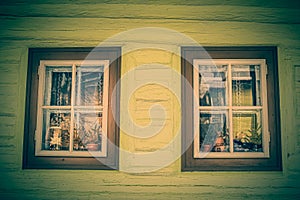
{"points": [[219, 144], [250, 139], [255, 137]]}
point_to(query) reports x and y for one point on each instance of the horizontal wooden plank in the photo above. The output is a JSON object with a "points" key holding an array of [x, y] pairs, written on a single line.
{"points": [[9, 54], [118, 185], [51, 31], [272, 4], [154, 11], [8, 74], [8, 90], [7, 130], [8, 107], [194, 183], [186, 179], [9, 149], [130, 194], [7, 127], [8, 120]]}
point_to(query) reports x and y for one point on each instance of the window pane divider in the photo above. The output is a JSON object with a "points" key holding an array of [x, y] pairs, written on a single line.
{"points": [[213, 107], [57, 107], [230, 107], [229, 90], [246, 107], [72, 106], [98, 108]]}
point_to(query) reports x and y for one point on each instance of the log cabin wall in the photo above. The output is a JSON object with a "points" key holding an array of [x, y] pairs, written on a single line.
{"points": [[86, 23]]}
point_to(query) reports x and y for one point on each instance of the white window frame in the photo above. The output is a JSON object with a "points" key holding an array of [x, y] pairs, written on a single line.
{"points": [[229, 107], [72, 107]]}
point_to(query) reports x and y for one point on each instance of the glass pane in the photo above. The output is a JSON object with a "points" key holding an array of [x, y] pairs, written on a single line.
{"points": [[214, 136], [212, 85], [247, 131], [89, 86], [56, 130], [246, 85], [88, 131], [58, 86]]}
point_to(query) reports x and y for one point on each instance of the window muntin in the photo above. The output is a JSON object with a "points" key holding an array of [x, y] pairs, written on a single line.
{"points": [[230, 108], [72, 108]]}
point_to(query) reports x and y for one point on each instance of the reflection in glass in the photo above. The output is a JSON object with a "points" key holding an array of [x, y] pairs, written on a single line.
{"points": [[89, 86], [213, 131], [87, 131], [247, 131], [58, 86], [212, 85], [56, 130], [246, 85]]}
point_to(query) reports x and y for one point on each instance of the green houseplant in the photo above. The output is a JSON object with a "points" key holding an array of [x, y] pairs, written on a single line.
{"points": [[251, 139], [255, 135]]}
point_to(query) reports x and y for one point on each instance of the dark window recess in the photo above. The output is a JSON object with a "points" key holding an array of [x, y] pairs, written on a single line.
{"points": [[71, 101], [238, 109]]}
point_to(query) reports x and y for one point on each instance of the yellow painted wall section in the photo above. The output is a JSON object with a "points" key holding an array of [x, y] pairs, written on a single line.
{"points": [[150, 111], [86, 23]]}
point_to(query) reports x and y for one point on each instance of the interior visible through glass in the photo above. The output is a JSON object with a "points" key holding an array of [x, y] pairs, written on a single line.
{"points": [[246, 85], [89, 86], [212, 85], [56, 130], [88, 131], [247, 131], [58, 86]]}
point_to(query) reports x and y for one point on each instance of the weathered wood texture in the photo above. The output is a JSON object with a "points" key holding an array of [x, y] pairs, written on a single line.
{"points": [[109, 11], [86, 23], [116, 185]]}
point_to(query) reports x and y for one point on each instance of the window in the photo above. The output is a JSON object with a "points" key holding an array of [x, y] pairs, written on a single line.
{"points": [[231, 118], [69, 117]]}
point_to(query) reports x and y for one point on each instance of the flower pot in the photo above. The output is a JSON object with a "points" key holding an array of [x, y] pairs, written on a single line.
{"points": [[219, 141], [220, 148], [92, 147], [206, 148]]}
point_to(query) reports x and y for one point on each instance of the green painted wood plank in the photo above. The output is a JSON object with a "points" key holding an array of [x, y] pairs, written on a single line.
{"points": [[183, 12], [8, 75], [187, 179], [7, 130], [7, 126], [9, 54], [43, 30], [73, 184], [8, 100], [8, 90], [273, 3]]}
